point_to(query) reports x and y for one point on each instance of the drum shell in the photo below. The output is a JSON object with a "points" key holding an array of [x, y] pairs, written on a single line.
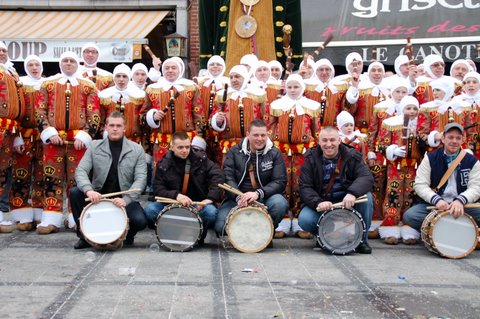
{"points": [[341, 219], [178, 228], [94, 215], [249, 229], [465, 241]]}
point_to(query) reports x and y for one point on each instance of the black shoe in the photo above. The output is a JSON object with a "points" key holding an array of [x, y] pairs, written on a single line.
{"points": [[81, 244], [201, 242], [128, 241], [364, 248]]}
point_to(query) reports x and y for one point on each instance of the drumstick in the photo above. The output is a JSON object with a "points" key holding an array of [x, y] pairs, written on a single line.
{"points": [[173, 201], [361, 199], [117, 193], [471, 205], [235, 191]]}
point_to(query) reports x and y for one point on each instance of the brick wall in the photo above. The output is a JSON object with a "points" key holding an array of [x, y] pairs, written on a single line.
{"points": [[193, 33]]}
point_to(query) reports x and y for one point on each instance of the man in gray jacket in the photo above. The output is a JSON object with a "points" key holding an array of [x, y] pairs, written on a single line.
{"points": [[116, 164]]}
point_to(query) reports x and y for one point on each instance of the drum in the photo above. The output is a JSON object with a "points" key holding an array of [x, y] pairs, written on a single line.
{"points": [[104, 225], [340, 230], [249, 229], [178, 228], [447, 236]]}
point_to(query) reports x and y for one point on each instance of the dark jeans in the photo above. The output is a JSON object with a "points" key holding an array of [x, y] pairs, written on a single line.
{"points": [[136, 216]]}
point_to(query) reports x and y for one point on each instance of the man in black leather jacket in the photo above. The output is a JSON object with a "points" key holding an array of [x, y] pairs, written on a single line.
{"points": [[351, 179]]}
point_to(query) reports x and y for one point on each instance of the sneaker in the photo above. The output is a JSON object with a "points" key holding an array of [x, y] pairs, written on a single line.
{"points": [[81, 244], [364, 248]]}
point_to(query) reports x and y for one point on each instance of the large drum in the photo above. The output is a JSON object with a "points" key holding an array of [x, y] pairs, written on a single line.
{"points": [[178, 228], [249, 229], [448, 236], [340, 230], [104, 225]]}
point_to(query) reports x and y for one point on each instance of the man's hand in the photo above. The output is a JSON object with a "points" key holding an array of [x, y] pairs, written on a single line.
{"points": [[220, 118], [349, 201], [204, 203], [78, 145], [119, 202], [157, 63], [442, 205], [184, 200], [456, 209], [438, 136], [159, 115], [56, 140], [247, 198], [355, 79], [412, 73], [323, 206], [94, 196]]}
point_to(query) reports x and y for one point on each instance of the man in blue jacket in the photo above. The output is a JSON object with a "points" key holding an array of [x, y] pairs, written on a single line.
{"points": [[334, 172]]}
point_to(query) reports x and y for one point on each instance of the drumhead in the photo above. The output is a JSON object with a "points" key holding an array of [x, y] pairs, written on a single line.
{"points": [[178, 227], [249, 229], [104, 222], [340, 230], [454, 237]]}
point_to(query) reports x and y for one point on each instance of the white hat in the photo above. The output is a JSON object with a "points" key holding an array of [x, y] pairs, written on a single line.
{"points": [[460, 61], [275, 63], [242, 71], [199, 142], [350, 57], [249, 59], [376, 63], [68, 54], [91, 45], [472, 75], [178, 61], [3, 45], [428, 61], [407, 100], [122, 69], [259, 64], [139, 66], [344, 118], [216, 59], [29, 58], [399, 83], [296, 78], [327, 63], [399, 61], [444, 84]]}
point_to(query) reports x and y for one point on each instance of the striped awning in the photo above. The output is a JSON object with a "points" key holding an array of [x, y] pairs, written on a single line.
{"points": [[78, 25]]}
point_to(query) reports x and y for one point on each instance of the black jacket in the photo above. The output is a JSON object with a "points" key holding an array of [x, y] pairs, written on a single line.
{"points": [[203, 182], [355, 175], [270, 172]]}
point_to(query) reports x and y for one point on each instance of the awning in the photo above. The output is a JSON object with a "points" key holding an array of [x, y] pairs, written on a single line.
{"points": [[31, 32]]}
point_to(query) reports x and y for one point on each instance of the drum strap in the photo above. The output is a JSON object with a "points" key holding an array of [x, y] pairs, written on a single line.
{"points": [[450, 170], [252, 176], [334, 176], [186, 177]]}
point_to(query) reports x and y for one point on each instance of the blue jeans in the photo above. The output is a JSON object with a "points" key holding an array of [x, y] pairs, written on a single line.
{"points": [[276, 204], [309, 217], [208, 213], [415, 215]]}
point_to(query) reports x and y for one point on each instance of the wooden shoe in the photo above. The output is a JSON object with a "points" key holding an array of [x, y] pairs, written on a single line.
{"points": [[25, 226], [7, 228], [374, 234], [391, 240], [304, 234], [44, 230], [279, 234], [410, 241]]}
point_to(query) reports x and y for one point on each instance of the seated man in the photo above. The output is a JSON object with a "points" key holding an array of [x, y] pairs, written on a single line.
{"points": [[116, 164], [334, 172], [461, 187], [201, 185], [256, 168]]}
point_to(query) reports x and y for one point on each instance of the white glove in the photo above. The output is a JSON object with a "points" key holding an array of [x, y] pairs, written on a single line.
{"points": [[400, 151]]}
